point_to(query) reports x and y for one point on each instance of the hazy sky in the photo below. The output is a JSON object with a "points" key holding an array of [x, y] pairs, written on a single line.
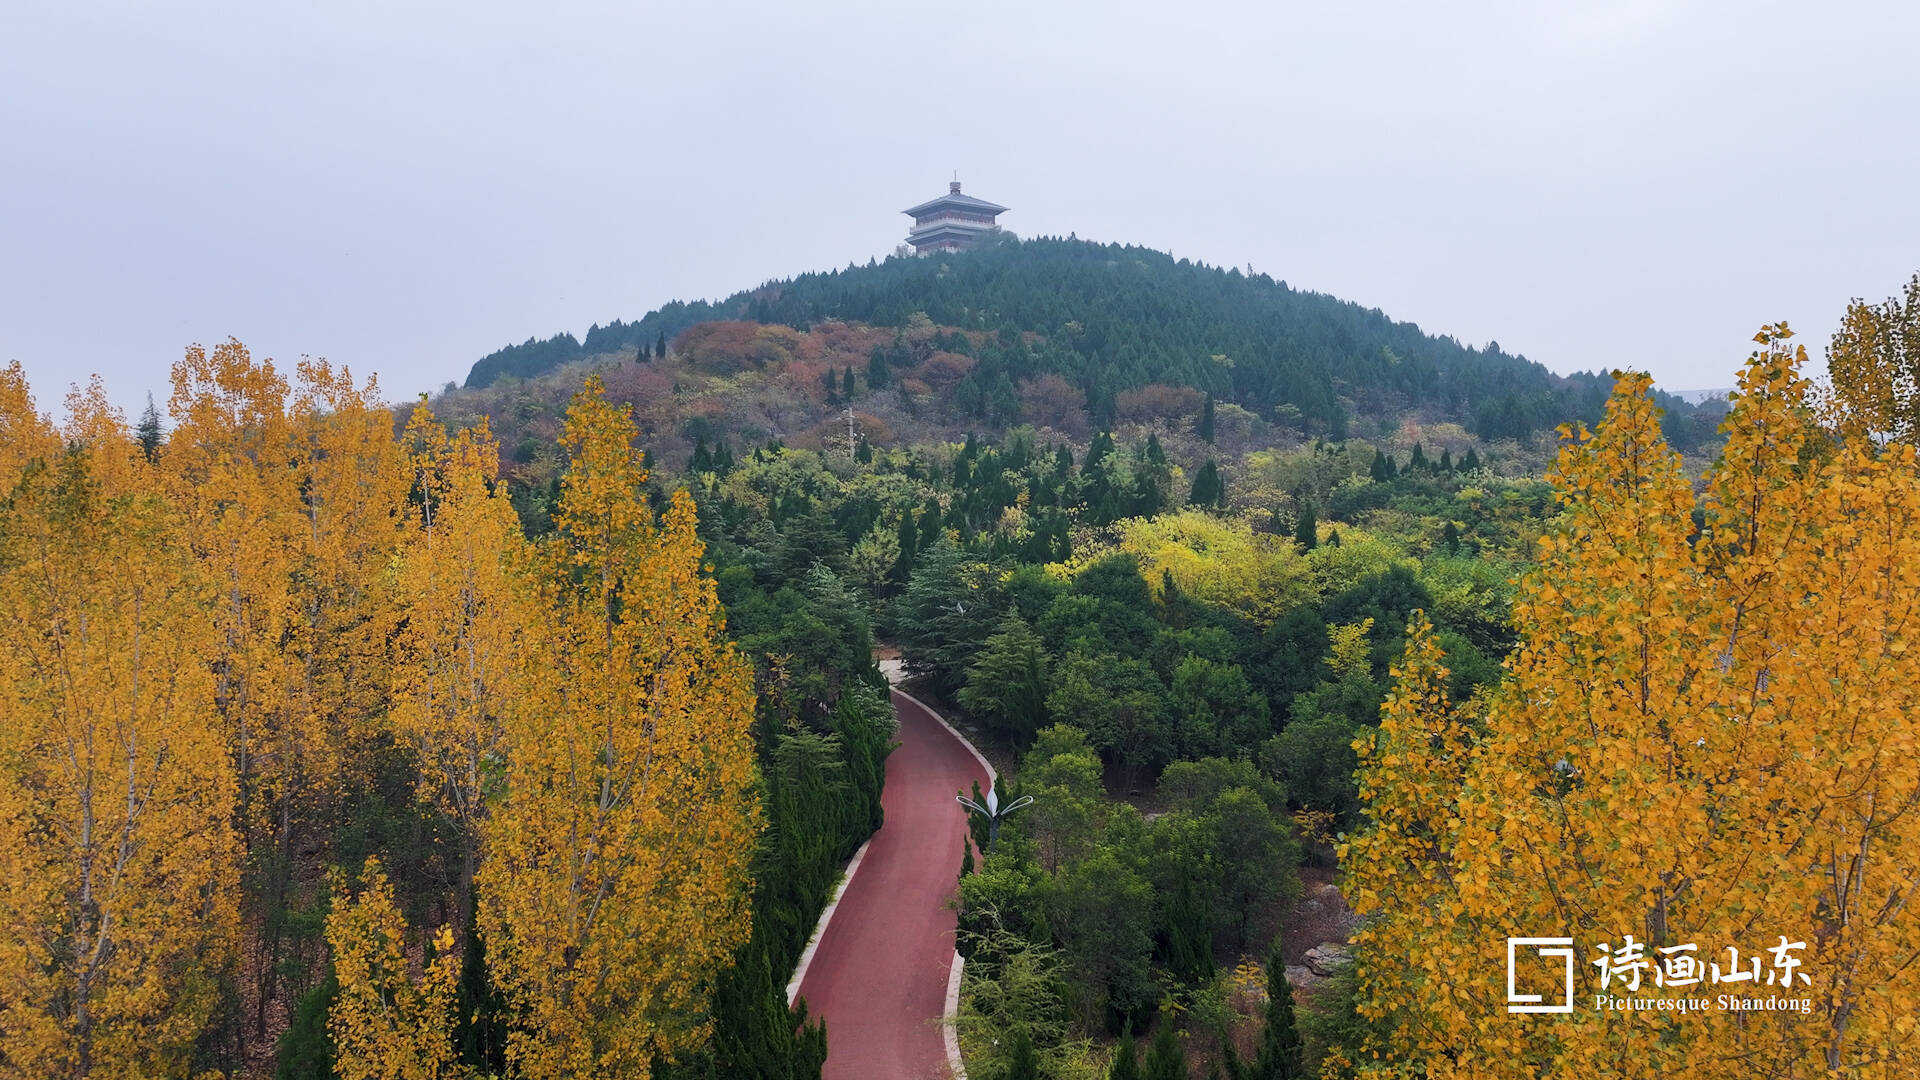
{"points": [[403, 187]]}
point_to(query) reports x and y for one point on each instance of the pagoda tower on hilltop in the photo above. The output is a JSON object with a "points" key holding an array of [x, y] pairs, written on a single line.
{"points": [[952, 222]]}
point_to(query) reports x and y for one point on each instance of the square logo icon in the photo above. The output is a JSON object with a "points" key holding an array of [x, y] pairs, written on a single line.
{"points": [[1542, 946]]}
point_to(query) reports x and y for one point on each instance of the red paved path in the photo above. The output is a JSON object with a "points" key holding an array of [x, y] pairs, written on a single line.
{"points": [[879, 975]]}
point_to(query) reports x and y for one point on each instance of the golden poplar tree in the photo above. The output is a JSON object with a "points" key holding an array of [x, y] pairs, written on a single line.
{"points": [[352, 484], [386, 1025], [118, 865], [1709, 735], [614, 880], [232, 462], [457, 656]]}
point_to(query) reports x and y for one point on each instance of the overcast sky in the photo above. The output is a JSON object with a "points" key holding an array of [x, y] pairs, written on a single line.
{"points": [[403, 187]]}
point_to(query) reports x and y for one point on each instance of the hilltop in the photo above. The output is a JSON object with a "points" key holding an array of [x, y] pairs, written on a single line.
{"points": [[1054, 325]]}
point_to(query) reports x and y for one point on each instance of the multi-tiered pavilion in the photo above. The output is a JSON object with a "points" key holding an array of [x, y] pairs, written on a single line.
{"points": [[952, 222]]}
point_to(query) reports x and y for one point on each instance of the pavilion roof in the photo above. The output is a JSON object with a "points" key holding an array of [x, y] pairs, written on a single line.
{"points": [[955, 201]]}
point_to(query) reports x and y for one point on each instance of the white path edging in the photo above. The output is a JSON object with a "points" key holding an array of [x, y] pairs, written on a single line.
{"points": [[993, 775], [949, 1022], [948, 1026], [820, 927], [951, 1032]]}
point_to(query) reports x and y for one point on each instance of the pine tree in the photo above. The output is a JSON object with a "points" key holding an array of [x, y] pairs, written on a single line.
{"points": [[1470, 462], [1166, 1058], [1206, 420], [1450, 538], [1382, 468], [846, 382], [660, 345], [1306, 530], [149, 433], [878, 373]]}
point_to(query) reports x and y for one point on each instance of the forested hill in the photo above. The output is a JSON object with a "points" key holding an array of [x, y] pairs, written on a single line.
{"points": [[1110, 318]]}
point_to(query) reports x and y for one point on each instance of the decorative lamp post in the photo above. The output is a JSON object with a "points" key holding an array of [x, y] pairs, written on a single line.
{"points": [[993, 813]]}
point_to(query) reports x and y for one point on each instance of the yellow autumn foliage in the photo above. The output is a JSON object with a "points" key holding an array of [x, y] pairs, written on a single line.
{"points": [[1709, 735], [615, 873], [1221, 560], [118, 865]]}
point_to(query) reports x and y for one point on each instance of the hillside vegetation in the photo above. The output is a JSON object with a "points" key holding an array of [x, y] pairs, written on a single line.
{"points": [[1110, 319]]}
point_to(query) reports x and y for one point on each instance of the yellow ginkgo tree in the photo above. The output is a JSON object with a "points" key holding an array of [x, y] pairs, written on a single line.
{"points": [[1709, 736]]}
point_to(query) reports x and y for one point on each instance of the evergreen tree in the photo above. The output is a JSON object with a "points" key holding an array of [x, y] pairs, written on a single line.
{"points": [[1306, 531], [305, 1051], [930, 529], [660, 345], [1022, 1062], [1206, 420], [148, 433], [1471, 461], [1280, 1055], [878, 373], [1450, 539], [480, 1027], [1418, 460], [864, 453], [1333, 538], [907, 537], [1126, 1066], [1208, 489], [1382, 469], [846, 382], [966, 858], [1166, 1058], [1446, 460]]}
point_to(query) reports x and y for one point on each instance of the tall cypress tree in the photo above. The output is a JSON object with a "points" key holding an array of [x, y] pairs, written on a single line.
{"points": [[1206, 420], [1280, 1056], [1208, 489], [1306, 531]]}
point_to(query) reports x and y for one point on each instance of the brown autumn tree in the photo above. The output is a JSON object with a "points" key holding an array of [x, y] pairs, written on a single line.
{"points": [[614, 880], [1709, 737]]}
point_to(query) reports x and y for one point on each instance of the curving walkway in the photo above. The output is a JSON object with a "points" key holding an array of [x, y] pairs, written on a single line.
{"points": [[880, 971]]}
